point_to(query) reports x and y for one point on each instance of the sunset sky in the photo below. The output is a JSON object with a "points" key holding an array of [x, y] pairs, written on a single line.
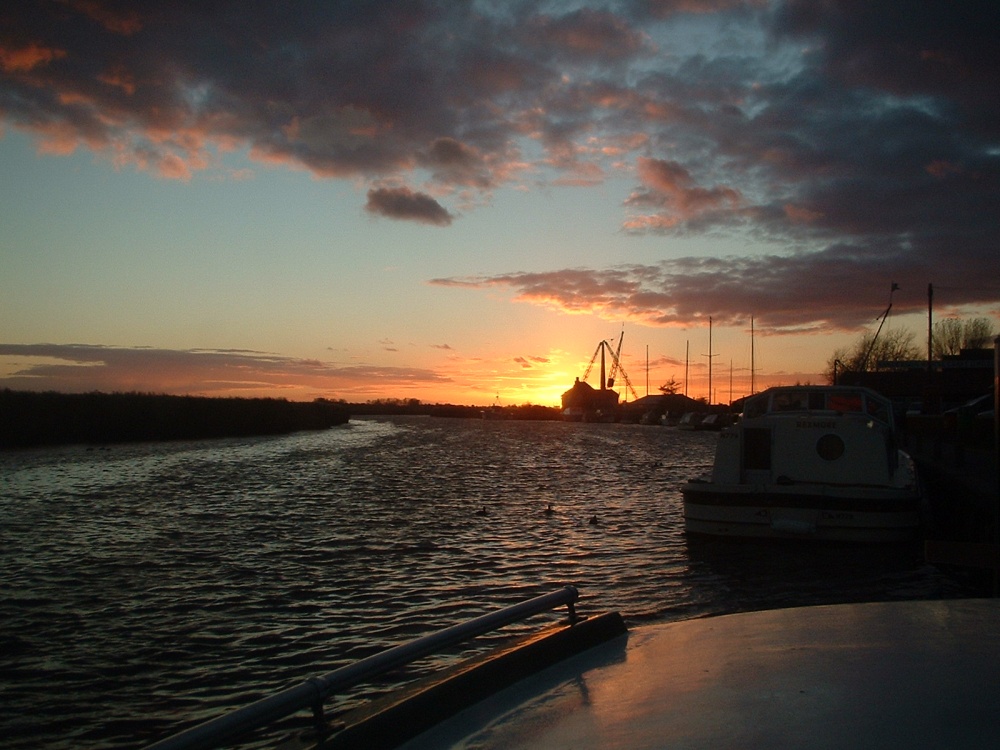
{"points": [[456, 201]]}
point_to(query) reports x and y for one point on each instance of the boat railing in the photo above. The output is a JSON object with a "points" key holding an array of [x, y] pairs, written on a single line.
{"points": [[312, 693]]}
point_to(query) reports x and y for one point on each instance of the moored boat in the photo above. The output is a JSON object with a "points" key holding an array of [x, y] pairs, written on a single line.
{"points": [[690, 420], [818, 462]]}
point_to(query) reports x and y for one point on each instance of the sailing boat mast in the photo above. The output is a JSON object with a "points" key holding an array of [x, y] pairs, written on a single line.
{"points": [[687, 364], [710, 355], [752, 360]]}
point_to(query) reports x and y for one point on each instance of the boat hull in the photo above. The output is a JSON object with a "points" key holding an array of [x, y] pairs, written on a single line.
{"points": [[849, 514]]}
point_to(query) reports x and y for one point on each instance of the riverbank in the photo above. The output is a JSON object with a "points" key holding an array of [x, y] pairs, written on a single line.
{"points": [[30, 419]]}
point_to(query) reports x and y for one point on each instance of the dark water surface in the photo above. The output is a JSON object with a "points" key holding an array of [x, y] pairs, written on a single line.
{"points": [[143, 586]]}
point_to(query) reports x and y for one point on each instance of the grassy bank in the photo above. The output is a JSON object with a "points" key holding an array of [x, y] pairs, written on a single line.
{"points": [[30, 419]]}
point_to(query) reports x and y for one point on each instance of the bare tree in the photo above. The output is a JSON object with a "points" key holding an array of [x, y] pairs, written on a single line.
{"points": [[952, 335], [979, 333], [947, 337], [867, 354]]}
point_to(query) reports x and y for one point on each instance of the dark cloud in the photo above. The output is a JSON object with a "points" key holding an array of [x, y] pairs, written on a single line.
{"points": [[530, 362], [785, 294], [860, 140], [584, 33], [403, 203]]}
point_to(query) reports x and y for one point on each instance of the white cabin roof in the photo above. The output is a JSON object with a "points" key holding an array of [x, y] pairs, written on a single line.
{"points": [[887, 675], [819, 398]]}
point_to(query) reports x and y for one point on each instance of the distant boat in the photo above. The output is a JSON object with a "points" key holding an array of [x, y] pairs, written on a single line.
{"points": [[715, 422], [690, 420], [817, 462], [495, 411]]}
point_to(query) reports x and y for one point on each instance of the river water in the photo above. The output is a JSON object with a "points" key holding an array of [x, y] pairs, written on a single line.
{"points": [[144, 586]]}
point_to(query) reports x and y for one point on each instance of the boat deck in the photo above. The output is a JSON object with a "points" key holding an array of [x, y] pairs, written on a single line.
{"points": [[885, 675]]}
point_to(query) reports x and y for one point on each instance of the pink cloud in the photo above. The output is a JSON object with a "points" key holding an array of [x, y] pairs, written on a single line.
{"points": [[28, 57], [674, 192], [79, 368], [795, 293]]}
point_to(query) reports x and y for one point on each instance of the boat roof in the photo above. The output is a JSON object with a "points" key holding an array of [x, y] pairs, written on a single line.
{"points": [[887, 675], [843, 399]]}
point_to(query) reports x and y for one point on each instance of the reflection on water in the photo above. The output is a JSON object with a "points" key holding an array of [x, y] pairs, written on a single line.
{"points": [[142, 586]]}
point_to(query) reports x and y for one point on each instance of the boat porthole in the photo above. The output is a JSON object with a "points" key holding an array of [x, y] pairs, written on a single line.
{"points": [[830, 447]]}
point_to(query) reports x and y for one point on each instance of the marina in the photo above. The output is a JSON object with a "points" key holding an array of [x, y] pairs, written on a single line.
{"points": [[305, 442]]}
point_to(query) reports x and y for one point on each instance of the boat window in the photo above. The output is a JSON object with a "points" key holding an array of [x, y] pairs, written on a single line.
{"points": [[793, 401], [830, 447], [844, 402]]}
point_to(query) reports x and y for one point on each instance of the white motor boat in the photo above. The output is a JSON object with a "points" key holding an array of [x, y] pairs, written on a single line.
{"points": [[809, 462]]}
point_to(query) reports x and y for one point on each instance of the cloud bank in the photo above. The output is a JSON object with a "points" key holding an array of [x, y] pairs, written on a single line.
{"points": [[860, 140], [80, 368]]}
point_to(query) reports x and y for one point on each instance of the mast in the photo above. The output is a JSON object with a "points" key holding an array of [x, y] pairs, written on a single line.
{"points": [[687, 362], [709, 355], [752, 363]]}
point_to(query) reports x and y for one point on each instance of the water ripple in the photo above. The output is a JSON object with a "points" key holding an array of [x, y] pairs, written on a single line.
{"points": [[146, 586]]}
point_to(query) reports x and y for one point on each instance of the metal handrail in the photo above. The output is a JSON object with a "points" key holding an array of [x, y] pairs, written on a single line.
{"points": [[312, 692]]}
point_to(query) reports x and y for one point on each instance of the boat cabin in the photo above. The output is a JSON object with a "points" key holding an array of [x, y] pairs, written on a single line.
{"points": [[838, 400], [815, 435]]}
